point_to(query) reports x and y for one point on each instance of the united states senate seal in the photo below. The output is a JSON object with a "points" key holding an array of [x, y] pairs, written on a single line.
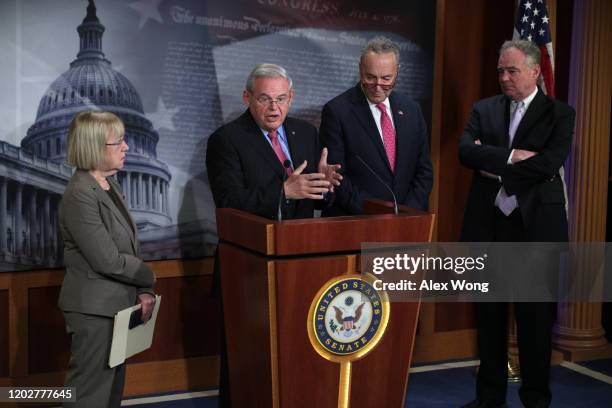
{"points": [[347, 317]]}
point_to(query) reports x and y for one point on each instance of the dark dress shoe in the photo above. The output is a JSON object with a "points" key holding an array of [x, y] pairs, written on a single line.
{"points": [[477, 403]]}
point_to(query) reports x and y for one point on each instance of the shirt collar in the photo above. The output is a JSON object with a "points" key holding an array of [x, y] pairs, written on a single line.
{"points": [[280, 132], [385, 102], [527, 100]]}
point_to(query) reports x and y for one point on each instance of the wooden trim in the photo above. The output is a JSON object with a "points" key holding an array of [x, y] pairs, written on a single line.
{"points": [[5, 280], [145, 378], [412, 343], [351, 264], [445, 346], [432, 228], [270, 240], [244, 229], [436, 110], [172, 375], [551, 6], [178, 267], [273, 335], [53, 277], [18, 330], [427, 317], [578, 325], [19, 283]]}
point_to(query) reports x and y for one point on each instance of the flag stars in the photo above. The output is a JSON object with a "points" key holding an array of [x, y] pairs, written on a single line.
{"points": [[148, 10], [530, 20]]}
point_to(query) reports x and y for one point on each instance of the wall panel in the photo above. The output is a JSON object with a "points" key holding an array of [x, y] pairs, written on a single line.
{"points": [[34, 346], [48, 345], [4, 330], [188, 320]]}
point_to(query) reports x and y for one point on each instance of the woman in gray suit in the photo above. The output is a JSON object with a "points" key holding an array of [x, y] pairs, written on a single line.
{"points": [[103, 271]]}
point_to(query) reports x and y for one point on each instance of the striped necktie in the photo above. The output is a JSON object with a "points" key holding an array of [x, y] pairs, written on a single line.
{"points": [[273, 135]]}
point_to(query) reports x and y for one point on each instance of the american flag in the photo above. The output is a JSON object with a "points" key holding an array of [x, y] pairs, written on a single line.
{"points": [[532, 23]]}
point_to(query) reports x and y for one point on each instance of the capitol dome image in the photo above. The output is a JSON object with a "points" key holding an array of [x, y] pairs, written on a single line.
{"points": [[33, 176], [92, 83]]}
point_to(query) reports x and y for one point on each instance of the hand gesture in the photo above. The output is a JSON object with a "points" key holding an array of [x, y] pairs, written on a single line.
{"points": [[299, 186], [329, 170]]}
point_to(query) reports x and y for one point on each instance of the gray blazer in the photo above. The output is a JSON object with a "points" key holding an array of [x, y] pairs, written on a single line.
{"points": [[103, 271]]}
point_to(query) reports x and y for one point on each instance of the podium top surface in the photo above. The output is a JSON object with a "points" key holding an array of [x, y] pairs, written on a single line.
{"points": [[320, 235]]}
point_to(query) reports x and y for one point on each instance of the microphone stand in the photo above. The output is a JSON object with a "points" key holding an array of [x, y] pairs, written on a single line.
{"points": [[279, 215], [395, 209]]}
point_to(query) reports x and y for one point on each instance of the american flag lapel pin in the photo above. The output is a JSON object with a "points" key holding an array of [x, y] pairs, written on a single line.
{"points": [[400, 113]]}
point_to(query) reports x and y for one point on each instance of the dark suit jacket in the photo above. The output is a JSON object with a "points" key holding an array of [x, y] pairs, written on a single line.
{"points": [[348, 129], [547, 129], [245, 174], [103, 271]]}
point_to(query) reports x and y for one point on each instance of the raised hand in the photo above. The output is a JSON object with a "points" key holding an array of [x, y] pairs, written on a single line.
{"points": [[299, 186], [329, 170]]}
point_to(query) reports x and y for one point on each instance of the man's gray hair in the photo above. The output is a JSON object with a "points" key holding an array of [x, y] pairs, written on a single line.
{"points": [[267, 71], [531, 51], [380, 45]]}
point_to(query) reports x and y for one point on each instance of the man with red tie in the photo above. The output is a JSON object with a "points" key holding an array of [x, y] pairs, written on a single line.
{"points": [[262, 154], [375, 133], [267, 164]]}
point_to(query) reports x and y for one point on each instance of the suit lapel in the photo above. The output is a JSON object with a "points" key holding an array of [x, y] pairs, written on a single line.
{"points": [[501, 109], [402, 132], [293, 140], [536, 108], [108, 202], [254, 136], [133, 227], [362, 112]]}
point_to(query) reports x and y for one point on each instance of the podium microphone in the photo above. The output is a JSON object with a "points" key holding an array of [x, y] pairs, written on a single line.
{"points": [[279, 214], [395, 209]]}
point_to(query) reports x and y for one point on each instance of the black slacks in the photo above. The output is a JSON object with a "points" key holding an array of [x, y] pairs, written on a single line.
{"points": [[534, 322]]}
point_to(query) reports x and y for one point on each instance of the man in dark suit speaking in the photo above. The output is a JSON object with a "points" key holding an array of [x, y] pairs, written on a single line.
{"points": [[254, 159], [516, 144], [370, 123], [250, 163]]}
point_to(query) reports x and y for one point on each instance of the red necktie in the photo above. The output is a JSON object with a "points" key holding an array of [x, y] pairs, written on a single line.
{"points": [[273, 135], [388, 134]]}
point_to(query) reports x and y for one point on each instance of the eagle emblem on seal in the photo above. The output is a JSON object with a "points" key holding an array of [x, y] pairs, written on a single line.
{"points": [[348, 318]]}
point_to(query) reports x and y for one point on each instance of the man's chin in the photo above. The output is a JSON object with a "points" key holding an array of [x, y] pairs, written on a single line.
{"points": [[377, 98]]}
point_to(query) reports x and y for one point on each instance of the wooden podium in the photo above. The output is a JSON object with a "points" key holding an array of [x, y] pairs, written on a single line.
{"points": [[270, 273]]}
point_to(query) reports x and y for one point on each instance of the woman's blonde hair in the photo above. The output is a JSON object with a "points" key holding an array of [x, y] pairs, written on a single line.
{"points": [[87, 138]]}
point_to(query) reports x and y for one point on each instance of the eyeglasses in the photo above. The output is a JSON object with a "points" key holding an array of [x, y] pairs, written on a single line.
{"points": [[386, 83], [372, 83], [267, 101], [117, 143]]}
